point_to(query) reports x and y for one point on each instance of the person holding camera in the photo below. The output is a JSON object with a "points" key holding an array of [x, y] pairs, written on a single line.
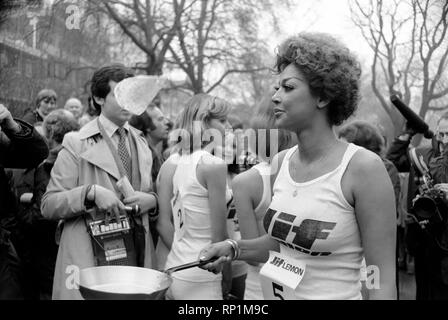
{"points": [[428, 249], [20, 147]]}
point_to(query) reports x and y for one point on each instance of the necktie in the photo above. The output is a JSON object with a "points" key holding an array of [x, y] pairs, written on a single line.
{"points": [[123, 152]]}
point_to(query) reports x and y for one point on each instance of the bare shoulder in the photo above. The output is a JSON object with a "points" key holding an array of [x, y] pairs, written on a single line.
{"points": [[280, 156], [212, 169], [211, 166], [366, 162], [366, 175], [248, 180], [168, 167], [171, 162]]}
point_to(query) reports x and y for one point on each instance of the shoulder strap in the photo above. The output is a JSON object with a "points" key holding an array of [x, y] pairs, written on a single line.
{"points": [[418, 162], [349, 152], [280, 165], [266, 178]]}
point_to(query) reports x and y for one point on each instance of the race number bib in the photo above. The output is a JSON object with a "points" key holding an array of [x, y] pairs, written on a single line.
{"points": [[281, 276], [178, 215]]}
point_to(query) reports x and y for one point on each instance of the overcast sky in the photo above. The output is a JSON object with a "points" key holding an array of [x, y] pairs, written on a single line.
{"points": [[332, 16]]}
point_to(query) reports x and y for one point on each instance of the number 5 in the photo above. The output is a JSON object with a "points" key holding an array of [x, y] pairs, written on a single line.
{"points": [[278, 287]]}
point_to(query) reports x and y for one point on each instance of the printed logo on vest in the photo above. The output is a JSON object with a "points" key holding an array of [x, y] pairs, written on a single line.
{"points": [[304, 235]]}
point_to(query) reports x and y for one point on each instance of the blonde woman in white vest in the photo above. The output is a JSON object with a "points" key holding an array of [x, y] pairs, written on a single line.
{"points": [[333, 202], [193, 194]]}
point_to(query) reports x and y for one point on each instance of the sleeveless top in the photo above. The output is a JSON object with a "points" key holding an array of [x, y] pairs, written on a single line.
{"points": [[195, 232], [253, 285], [314, 223]]}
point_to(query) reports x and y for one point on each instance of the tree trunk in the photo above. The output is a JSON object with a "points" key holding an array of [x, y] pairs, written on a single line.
{"points": [[153, 67]]}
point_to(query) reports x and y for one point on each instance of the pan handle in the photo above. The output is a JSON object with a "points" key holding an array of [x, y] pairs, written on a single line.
{"points": [[196, 263]]}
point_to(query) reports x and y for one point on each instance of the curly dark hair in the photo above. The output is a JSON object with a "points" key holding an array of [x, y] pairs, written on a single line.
{"points": [[331, 70]]}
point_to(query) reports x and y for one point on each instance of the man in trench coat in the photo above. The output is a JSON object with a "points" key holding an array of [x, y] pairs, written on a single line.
{"points": [[85, 173]]}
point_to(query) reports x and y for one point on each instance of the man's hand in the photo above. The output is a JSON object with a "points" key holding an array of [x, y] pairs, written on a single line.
{"points": [[107, 201], [442, 187], [6, 120], [145, 201], [407, 134]]}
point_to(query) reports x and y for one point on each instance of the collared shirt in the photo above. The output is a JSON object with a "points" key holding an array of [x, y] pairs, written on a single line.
{"points": [[111, 130]]}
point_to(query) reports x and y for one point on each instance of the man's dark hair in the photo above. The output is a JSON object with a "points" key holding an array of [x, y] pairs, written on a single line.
{"points": [[100, 81], [142, 122]]}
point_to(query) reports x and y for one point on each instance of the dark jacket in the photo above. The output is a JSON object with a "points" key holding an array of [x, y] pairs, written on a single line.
{"points": [[32, 117], [431, 262], [398, 154], [26, 149], [39, 249], [438, 168], [394, 178], [20, 150]]}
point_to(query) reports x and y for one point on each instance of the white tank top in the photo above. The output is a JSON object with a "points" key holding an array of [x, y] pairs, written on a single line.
{"points": [[253, 285], [314, 223], [194, 232]]}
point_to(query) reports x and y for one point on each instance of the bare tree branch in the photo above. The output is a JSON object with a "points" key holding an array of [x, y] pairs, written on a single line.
{"points": [[228, 72]]}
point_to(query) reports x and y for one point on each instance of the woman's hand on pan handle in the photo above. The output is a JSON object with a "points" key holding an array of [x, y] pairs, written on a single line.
{"points": [[222, 249]]}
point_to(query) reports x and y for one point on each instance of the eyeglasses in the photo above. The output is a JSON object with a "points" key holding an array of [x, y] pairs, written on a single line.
{"points": [[49, 99], [442, 134]]}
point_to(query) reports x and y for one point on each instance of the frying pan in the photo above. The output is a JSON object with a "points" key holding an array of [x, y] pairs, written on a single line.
{"points": [[128, 283]]}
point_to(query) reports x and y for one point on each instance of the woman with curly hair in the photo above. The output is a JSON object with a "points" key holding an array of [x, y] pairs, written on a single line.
{"points": [[333, 202]]}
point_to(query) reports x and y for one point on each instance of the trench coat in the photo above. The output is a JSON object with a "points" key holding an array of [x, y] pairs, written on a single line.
{"points": [[84, 160]]}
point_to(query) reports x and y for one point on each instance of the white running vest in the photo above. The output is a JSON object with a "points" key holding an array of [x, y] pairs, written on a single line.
{"points": [[315, 224], [192, 232]]}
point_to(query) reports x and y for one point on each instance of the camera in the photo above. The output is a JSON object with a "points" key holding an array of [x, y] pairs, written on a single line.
{"points": [[429, 205]]}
